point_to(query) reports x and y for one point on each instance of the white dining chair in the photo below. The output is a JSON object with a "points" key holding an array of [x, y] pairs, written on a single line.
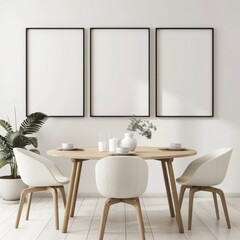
{"points": [[201, 175], [40, 174], [121, 179]]}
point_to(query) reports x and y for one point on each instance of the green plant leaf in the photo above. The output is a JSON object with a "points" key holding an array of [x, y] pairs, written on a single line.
{"points": [[34, 150], [6, 151], [8, 138], [4, 163], [7, 126], [6, 154], [33, 123], [17, 139], [33, 141], [3, 143]]}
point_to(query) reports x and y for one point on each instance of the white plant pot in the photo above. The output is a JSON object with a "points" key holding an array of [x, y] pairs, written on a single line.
{"points": [[10, 189], [129, 141]]}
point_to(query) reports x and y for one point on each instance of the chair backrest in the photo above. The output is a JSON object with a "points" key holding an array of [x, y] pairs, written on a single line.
{"points": [[210, 169], [36, 170], [121, 176]]}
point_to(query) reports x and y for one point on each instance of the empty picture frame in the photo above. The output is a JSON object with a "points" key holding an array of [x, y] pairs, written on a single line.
{"points": [[184, 72], [119, 72], [55, 71]]}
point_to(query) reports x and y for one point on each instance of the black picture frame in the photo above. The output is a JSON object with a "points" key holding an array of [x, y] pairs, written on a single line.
{"points": [[212, 73], [28, 112], [92, 114]]}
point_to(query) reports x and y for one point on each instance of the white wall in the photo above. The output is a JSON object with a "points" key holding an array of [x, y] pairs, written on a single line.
{"points": [[203, 135]]}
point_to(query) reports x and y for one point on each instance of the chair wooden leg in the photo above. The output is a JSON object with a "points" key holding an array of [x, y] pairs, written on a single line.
{"points": [[221, 194], [140, 218], [168, 191], [216, 204], [104, 218], [181, 195], [190, 207], [61, 189], [21, 203], [29, 204], [55, 203]]}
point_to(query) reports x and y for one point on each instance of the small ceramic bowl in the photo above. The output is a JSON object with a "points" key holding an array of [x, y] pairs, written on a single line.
{"points": [[122, 150], [125, 149], [175, 145], [67, 145]]}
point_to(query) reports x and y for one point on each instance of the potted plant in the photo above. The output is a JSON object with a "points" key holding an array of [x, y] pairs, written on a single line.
{"points": [[142, 127], [12, 185]]}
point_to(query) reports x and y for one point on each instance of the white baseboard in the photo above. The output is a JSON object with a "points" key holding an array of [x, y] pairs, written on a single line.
{"points": [[146, 195], [186, 195]]}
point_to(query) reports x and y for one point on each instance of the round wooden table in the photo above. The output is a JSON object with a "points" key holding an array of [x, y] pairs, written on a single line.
{"points": [[154, 153]]}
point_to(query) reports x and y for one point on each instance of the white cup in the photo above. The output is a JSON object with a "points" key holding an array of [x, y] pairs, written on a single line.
{"points": [[102, 146], [175, 145], [113, 144], [67, 145]]}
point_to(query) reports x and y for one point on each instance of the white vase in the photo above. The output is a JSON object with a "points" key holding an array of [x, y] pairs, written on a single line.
{"points": [[129, 141], [10, 189]]}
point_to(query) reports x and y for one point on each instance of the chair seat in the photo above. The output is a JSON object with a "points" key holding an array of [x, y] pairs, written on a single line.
{"points": [[183, 180], [187, 181], [62, 180], [57, 181]]}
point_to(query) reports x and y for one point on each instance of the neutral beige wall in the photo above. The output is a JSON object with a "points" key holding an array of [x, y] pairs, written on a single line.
{"points": [[201, 134]]}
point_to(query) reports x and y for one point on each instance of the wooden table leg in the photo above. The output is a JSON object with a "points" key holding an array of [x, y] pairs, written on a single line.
{"points": [[169, 195], [175, 196], [75, 188], [69, 197]]}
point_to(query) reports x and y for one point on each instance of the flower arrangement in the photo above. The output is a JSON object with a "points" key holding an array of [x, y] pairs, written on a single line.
{"points": [[142, 127]]}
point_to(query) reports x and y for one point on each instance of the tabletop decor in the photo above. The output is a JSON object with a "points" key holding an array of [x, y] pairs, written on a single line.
{"points": [[142, 127], [17, 138]]}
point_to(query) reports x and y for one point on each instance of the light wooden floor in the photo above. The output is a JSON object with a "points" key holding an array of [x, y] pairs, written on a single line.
{"points": [[122, 222]]}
